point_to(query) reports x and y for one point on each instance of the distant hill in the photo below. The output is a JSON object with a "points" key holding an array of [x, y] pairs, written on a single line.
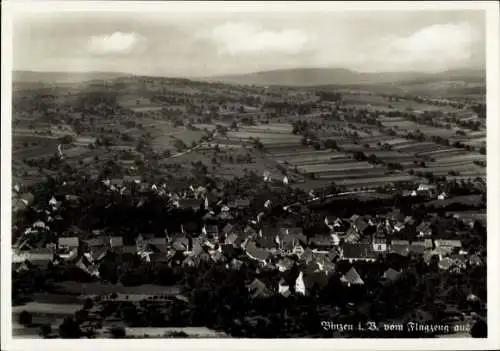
{"points": [[333, 76], [36, 77]]}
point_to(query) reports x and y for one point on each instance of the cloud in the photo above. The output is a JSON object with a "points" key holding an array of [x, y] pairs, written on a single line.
{"points": [[243, 38], [117, 43], [439, 45]]}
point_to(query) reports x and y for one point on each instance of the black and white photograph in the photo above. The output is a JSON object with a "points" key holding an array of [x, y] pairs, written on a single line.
{"points": [[243, 170]]}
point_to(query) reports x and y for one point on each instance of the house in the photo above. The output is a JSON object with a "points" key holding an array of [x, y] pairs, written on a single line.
{"points": [[228, 229], [352, 278], [360, 225], [399, 226], [115, 241], [212, 230], [396, 215], [209, 216], [68, 242], [446, 263], [235, 264], [330, 220], [239, 203], [307, 255], [352, 236], [460, 260], [391, 275], [354, 218], [231, 239], [442, 196], [426, 244], [249, 231], [424, 229], [409, 221], [400, 247], [95, 242], [284, 288], [300, 287], [324, 263], [334, 254], [22, 202], [417, 248], [285, 264], [189, 203], [426, 187], [358, 252], [181, 244], [298, 250], [98, 253], [37, 257], [475, 260], [225, 216], [257, 289], [335, 239], [241, 240], [217, 256], [256, 253], [287, 238], [266, 240], [379, 244], [321, 242], [157, 244], [452, 244]]}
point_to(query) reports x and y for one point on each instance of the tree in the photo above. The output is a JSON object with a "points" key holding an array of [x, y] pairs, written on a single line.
{"points": [[25, 318], [45, 330], [330, 144], [118, 332], [88, 304], [69, 329], [67, 139], [479, 330]]}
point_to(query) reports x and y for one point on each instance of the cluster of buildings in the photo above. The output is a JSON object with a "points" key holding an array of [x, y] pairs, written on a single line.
{"points": [[360, 238]]}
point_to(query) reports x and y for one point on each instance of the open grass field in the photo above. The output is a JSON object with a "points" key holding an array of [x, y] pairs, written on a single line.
{"points": [[99, 288], [193, 332], [165, 136], [472, 216], [383, 104], [471, 200], [46, 310]]}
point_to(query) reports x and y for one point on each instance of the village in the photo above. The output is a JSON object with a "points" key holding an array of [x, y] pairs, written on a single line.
{"points": [[286, 250]]}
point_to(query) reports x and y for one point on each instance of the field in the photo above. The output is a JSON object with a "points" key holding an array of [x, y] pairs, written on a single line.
{"points": [[98, 288], [194, 332], [381, 103], [409, 126], [166, 137], [156, 109], [230, 161], [46, 310], [470, 200]]}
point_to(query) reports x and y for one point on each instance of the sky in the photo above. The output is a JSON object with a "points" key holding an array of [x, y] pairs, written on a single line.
{"points": [[201, 45]]}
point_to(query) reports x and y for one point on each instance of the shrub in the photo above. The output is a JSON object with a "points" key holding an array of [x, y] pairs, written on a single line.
{"points": [[118, 332], [25, 318]]}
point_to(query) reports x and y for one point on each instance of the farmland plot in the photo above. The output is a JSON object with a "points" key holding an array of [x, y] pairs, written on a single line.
{"points": [[165, 137], [465, 170], [279, 128], [36, 307], [345, 166], [312, 157], [420, 147], [464, 157], [193, 332], [373, 182]]}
